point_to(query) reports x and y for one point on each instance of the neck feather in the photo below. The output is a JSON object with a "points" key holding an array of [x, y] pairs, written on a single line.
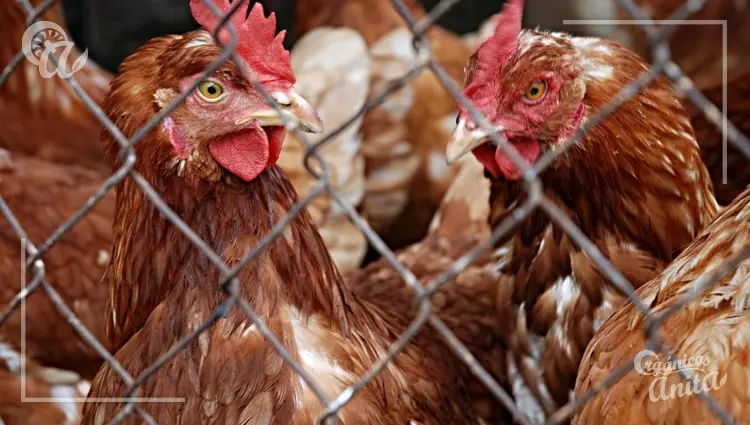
{"points": [[151, 258], [637, 176]]}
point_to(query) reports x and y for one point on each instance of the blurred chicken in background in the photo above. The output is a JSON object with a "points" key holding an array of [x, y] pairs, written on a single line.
{"points": [[557, 16], [697, 47], [43, 195], [51, 164], [333, 74], [698, 50], [38, 395], [46, 119], [403, 138], [43, 116]]}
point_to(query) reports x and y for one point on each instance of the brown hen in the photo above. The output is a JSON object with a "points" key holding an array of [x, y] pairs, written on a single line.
{"points": [[44, 396], [471, 303], [46, 119], [635, 185], [221, 179], [56, 165], [697, 48], [43, 116], [42, 196], [712, 331]]}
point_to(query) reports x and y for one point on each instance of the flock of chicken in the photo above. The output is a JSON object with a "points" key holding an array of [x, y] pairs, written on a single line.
{"points": [[644, 186]]}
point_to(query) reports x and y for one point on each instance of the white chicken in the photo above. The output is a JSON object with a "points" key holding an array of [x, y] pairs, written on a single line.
{"points": [[34, 394], [391, 163], [333, 73]]}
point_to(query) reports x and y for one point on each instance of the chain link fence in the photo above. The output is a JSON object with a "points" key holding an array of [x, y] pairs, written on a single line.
{"points": [[536, 199]]}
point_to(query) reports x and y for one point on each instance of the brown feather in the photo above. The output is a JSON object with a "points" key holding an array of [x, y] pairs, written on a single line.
{"points": [[43, 196], [230, 373], [698, 50], [635, 185], [714, 326], [32, 394], [44, 117], [472, 305]]}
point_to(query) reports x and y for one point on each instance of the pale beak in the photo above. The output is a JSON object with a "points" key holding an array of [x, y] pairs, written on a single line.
{"points": [[294, 108], [306, 115], [463, 140]]}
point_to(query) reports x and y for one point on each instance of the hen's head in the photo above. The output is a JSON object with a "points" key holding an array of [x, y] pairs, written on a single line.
{"points": [[529, 86], [225, 125]]}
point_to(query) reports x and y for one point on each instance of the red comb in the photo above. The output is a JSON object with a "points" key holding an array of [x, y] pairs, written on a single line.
{"points": [[498, 48], [257, 42]]}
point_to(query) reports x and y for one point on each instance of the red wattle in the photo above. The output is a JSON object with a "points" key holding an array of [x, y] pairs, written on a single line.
{"points": [[243, 154], [275, 137], [528, 149], [246, 154], [485, 154]]}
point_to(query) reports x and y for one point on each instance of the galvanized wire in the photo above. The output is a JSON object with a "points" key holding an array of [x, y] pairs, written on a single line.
{"points": [[535, 200]]}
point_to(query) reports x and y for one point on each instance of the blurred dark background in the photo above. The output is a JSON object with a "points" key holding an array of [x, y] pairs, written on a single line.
{"points": [[113, 29]]}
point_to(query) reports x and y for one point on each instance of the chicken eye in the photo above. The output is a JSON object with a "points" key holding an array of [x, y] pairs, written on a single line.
{"points": [[211, 91], [536, 91]]}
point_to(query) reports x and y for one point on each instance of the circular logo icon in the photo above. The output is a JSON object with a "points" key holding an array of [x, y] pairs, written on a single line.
{"points": [[44, 38]]}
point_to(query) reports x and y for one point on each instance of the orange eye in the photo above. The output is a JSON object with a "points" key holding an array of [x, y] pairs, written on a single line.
{"points": [[536, 91]]}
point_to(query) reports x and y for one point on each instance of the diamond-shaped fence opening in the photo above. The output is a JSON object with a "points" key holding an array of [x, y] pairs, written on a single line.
{"points": [[314, 163]]}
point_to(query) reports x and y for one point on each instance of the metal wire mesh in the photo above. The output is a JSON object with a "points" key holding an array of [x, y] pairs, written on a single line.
{"points": [[662, 64]]}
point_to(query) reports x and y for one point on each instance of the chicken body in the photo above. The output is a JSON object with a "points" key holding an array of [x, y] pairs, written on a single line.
{"points": [[635, 185], [42, 196], [44, 395], [698, 49], [230, 374], [711, 330]]}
